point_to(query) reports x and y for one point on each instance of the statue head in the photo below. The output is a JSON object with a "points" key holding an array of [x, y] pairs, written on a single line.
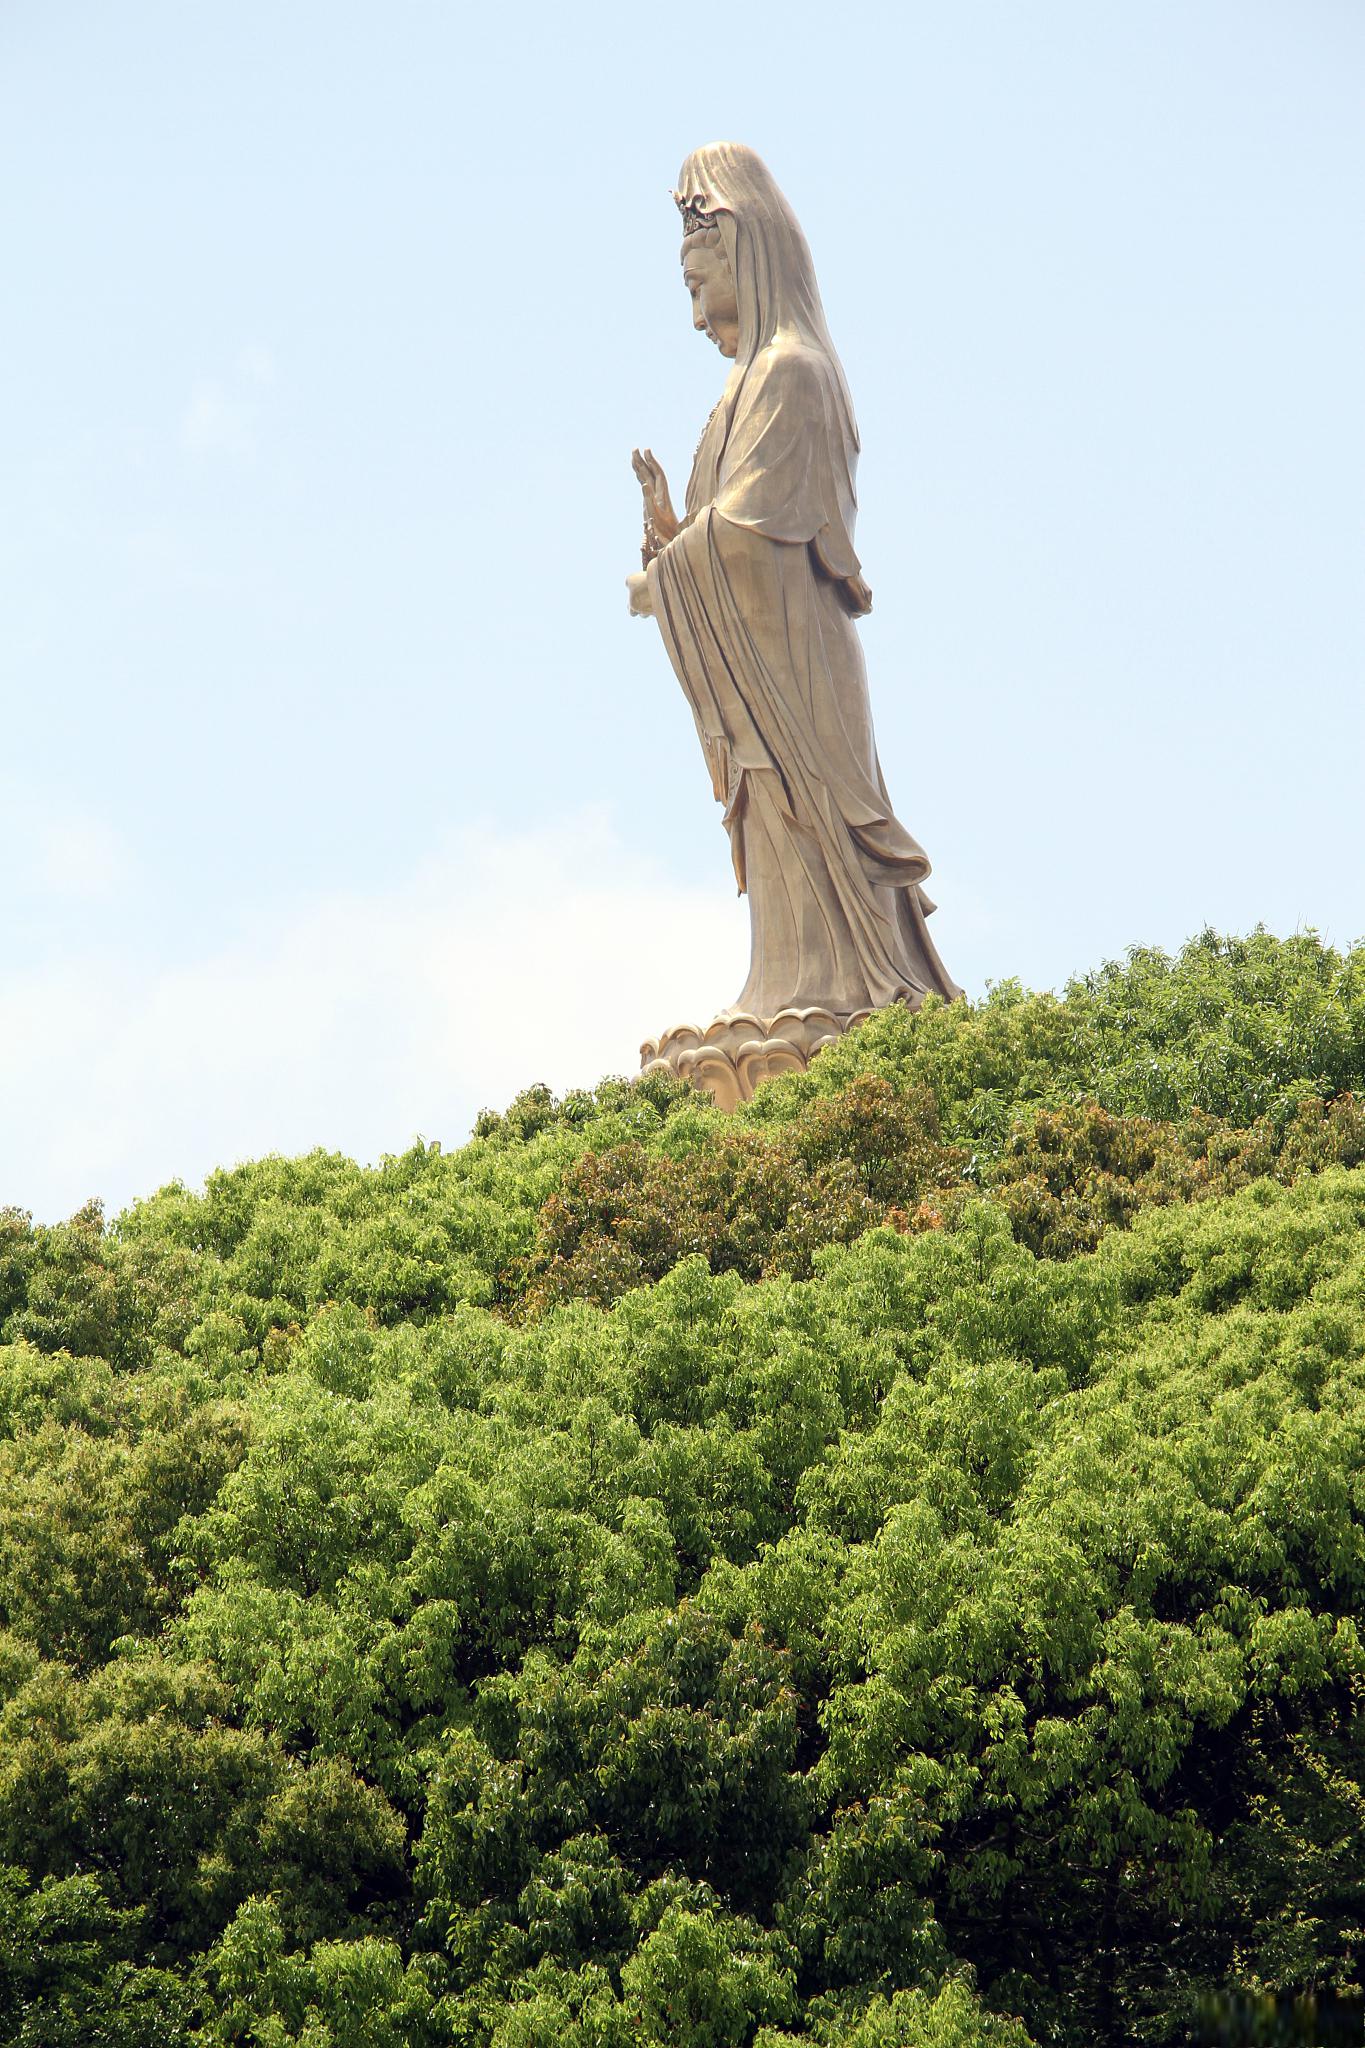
{"points": [[745, 259]]}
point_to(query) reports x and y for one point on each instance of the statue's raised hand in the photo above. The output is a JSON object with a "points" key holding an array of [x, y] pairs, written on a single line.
{"points": [[659, 513]]}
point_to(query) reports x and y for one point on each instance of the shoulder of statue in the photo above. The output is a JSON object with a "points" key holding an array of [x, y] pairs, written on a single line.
{"points": [[788, 376], [791, 362]]}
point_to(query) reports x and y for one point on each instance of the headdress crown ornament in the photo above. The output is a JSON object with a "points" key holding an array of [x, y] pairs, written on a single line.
{"points": [[694, 217]]}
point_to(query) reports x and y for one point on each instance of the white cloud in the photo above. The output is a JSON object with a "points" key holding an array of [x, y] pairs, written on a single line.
{"points": [[359, 1020]]}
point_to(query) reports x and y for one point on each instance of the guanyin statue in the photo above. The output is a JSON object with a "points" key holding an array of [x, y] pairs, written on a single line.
{"points": [[756, 590]]}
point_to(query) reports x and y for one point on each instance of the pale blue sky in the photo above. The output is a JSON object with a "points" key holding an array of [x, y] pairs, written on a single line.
{"points": [[339, 794]]}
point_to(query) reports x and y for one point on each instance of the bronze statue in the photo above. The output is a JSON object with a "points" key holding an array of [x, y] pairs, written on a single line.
{"points": [[756, 590]]}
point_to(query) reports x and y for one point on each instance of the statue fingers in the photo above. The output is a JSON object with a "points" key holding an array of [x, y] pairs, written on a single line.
{"points": [[646, 469]]}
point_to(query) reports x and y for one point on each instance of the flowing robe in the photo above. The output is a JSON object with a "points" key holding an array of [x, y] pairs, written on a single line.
{"points": [[755, 599]]}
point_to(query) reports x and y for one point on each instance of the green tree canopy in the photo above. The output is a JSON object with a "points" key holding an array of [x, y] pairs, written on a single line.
{"points": [[885, 1568]]}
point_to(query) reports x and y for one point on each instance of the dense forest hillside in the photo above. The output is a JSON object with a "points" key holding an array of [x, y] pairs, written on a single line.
{"points": [[886, 1568]]}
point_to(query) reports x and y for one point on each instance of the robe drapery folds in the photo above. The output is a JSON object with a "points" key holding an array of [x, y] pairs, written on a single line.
{"points": [[755, 598]]}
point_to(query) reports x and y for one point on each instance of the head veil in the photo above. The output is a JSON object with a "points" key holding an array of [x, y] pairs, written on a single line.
{"points": [[775, 288]]}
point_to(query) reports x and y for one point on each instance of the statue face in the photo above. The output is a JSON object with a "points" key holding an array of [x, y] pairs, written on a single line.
{"points": [[715, 309]]}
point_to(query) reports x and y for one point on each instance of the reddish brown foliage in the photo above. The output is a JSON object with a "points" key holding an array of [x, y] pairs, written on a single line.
{"points": [[752, 1202]]}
